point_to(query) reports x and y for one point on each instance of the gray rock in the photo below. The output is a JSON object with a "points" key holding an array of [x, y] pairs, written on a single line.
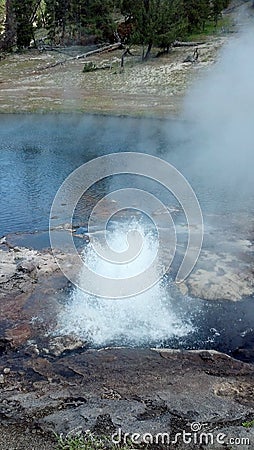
{"points": [[27, 266], [60, 344], [159, 392]]}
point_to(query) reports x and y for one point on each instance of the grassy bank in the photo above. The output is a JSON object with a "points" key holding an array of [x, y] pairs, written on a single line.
{"points": [[31, 83]]}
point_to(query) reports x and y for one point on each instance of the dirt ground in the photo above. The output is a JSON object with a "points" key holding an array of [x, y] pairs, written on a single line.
{"points": [[28, 83]]}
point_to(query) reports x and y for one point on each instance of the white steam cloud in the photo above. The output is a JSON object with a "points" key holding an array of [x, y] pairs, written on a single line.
{"points": [[221, 106]]}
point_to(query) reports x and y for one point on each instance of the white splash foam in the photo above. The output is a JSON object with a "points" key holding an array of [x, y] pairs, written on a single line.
{"points": [[144, 319]]}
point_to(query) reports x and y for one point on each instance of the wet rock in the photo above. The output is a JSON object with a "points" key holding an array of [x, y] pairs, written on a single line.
{"points": [[81, 230], [18, 335], [29, 283], [244, 354], [27, 267], [111, 394], [32, 350], [220, 276], [42, 367], [61, 344], [154, 408], [104, 425], [83, 236], [25, 285], [206, 356], [45, 351], [74, 402], [4, 345], [27, 263], [20, 267], [7, 266], [161, 391]]}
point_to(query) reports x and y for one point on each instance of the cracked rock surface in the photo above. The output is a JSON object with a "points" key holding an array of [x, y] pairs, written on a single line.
{"points": [[139, 391]]}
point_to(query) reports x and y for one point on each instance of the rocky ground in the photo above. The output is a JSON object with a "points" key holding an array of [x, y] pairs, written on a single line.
{"points": [[54, 383], [224, 270], [30, 285], [137, 391]]}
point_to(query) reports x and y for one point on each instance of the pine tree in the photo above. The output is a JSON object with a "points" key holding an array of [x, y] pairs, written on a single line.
{"points": [[217, 8], [74, 17], [155, 22], [172, 23], [24, 20], [197, 13], [9, 37], [152, 22]]}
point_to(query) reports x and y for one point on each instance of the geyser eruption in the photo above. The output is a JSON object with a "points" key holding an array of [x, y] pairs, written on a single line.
{"points": [[218, 159], [143, 319], [120, 296]]}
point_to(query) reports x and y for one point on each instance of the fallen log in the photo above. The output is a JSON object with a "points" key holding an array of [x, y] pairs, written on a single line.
{"points": [[187, 44], [107, 48], [51, 66], [90, 67]]}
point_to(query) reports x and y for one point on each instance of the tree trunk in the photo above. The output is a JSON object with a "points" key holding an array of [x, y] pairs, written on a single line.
{"points": [[125, 53], [148, 51], [9, 37]]}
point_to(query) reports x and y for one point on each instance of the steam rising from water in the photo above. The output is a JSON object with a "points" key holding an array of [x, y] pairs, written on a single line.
{"points": [[141, 320], [221, 107]]}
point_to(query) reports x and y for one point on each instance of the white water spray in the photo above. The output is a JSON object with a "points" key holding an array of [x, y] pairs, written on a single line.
{"points": [[145, 319]]}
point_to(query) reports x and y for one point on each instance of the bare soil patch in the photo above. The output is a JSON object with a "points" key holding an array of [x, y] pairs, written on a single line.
{"points": [[28, 83]]}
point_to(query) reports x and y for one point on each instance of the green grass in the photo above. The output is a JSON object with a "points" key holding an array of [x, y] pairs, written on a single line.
{"points": [[77, 441], [224, 25], [249, 424]]}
